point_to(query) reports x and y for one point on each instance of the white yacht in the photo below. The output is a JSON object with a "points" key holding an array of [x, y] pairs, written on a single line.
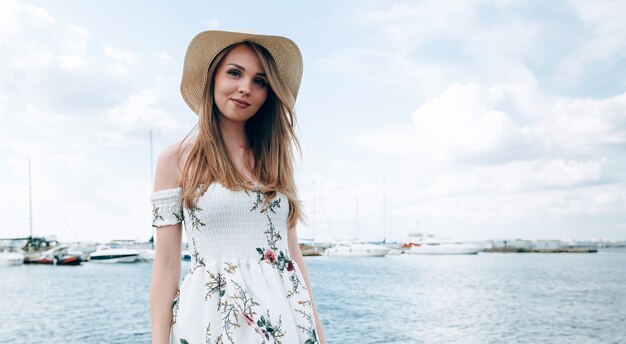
{"points": [[444, 248], [420, 244], [356, 249], [11, 258], [393, 251], [114, 253], [146, 255]]}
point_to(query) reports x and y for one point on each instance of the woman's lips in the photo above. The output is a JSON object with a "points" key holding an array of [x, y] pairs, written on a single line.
{"points": [[240, 103]]}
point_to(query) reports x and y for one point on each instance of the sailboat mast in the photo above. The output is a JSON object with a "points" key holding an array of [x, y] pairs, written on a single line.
{"points": [[357, 217], [151, 162], [384, 209], [30, 203], [313, 222], [151, 184]]}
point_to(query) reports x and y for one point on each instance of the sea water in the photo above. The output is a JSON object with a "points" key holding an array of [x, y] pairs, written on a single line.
{"points": [[484, 298]]}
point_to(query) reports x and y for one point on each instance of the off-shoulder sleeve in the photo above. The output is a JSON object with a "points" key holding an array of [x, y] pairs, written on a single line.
{"points": [[167, 207]]}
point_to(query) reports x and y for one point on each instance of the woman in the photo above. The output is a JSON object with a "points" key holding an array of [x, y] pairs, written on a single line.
{"points": [[232, 185]]}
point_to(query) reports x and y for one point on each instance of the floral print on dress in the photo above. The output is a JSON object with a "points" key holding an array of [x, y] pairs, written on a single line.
{"points": [[235, 305], [281, 260], [196, 224], [175, 306], [271, 254], [267, 329]]}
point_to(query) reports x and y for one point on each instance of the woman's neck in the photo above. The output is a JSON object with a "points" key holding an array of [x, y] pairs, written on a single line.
{"points": [[234, 136]]}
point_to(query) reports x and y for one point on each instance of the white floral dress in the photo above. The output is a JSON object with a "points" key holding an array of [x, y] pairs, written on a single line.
{"points": [[242, 286]]}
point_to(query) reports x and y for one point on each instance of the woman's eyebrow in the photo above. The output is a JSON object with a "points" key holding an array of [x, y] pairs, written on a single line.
{"points": [[243, 69]]}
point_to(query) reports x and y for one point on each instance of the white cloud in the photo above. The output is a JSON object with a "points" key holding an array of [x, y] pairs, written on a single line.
{"points": [[583, 124], [38, 15], [3, 103], [463, 120], [9, 18], [71, 62], [124, 57], [139, 111], [164, 56], [79, 30], [122, 61], [35, 59], [606, 35], [111, 138]]}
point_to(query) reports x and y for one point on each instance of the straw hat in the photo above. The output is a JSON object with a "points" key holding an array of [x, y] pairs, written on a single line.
{"points": [[206, 45]]}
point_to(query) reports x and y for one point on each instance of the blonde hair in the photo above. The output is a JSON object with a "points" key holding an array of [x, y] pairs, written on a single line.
{"points": [[270, 134]]}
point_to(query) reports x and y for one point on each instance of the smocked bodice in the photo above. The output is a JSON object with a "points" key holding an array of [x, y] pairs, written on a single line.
{"points": [[226, 224]]}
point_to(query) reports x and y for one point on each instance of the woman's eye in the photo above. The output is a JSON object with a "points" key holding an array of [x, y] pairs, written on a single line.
{"points": [[261, 82], [233, 72]]}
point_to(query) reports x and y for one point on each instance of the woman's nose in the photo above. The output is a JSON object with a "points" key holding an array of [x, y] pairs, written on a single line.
{"points": [[244, 88]]}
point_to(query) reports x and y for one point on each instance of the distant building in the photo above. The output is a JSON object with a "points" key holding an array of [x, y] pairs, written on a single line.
{"points": [[512, 244], [548, 244]]}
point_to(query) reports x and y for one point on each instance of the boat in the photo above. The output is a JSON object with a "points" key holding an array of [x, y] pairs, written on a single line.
{"points": [[356, 249], [185, 255], [444, 248], [146, 255], [308, 247], [430, 244], [83, 250], [394, 251], [58, 255], [114, 253], [11, 258]]}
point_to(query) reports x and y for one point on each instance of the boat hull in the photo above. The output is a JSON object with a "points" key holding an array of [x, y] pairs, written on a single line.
{"points": [[71, 260], [11, 259], [109, 259], [352, 251]]}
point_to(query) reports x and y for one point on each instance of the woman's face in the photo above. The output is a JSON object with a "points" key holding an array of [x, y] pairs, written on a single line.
{"points": [[240, 85]]}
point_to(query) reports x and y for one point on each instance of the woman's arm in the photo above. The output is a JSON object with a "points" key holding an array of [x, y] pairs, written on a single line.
{"points": [[165, 277], [296, 255], [167, 260]]}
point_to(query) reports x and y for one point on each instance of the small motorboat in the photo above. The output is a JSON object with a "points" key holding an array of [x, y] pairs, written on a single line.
{"points": [[11, 258], [432, 244], [114, 253], [444, 248], [58, 255], [311, 248], [356, 249]]}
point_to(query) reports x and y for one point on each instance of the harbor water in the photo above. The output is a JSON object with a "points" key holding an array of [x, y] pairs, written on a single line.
{"points": [[484, 298]]}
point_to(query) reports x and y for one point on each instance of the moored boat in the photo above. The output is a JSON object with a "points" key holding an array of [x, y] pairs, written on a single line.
{"points": [[431, 244], [11, 258], [310, 248], [146, 255], [114, 253], [356, 249], [444, 248], [56, 256]]}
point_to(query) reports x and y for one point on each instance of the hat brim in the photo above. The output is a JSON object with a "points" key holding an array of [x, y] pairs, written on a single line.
{"points": [[206, 45]]}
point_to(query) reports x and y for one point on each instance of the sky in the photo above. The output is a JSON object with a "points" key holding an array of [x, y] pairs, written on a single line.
{"points": [[473, 120]]}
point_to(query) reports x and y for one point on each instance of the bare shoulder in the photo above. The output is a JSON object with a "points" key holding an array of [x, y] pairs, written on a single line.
{"points": [[170, 164]]}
